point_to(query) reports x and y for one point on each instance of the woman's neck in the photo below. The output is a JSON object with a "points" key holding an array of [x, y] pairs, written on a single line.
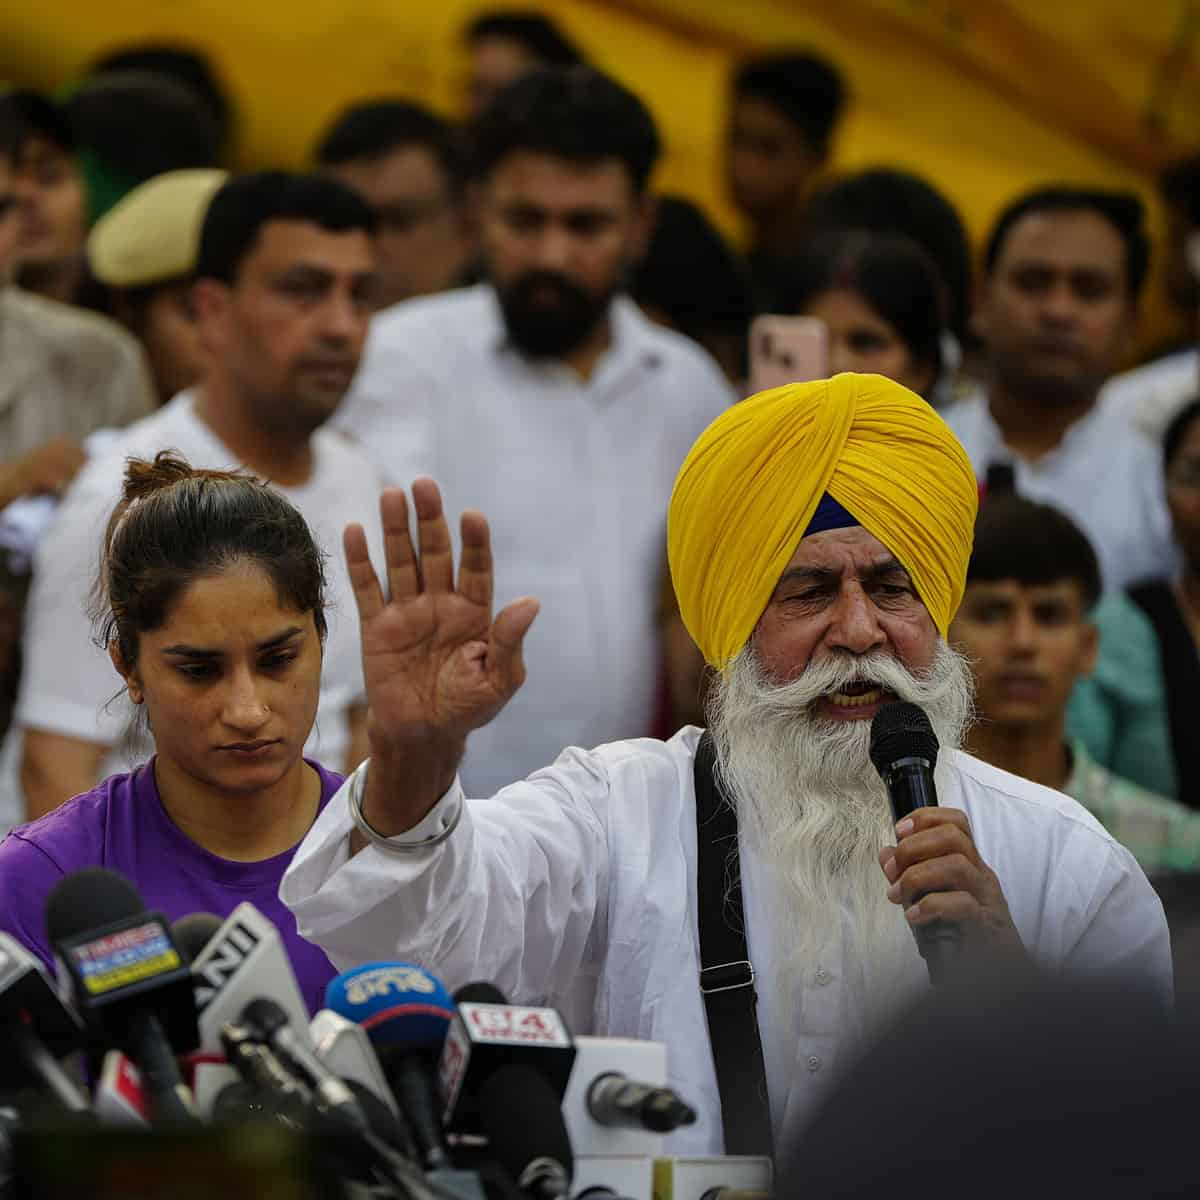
{"points": [[241, 827]]}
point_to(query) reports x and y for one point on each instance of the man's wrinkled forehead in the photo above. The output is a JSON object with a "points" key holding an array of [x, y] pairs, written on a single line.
{"points": [[852, 548]]}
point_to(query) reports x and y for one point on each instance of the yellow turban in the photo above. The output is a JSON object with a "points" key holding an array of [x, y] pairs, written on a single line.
{"points": [[751, 483]]}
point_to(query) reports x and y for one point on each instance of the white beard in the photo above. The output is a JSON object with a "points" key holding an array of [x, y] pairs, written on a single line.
{"points": [[813, 811]]}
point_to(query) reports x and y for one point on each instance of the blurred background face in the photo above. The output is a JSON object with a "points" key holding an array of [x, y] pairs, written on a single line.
{"points": [[1183, 495], [1055, 312], [559, 239], [10, 219], [768, 161], [289, 332], [422, 240], [165, 323], [1179, 263], [54, 204], [862, 340], [495, 62], [1027, 647]]}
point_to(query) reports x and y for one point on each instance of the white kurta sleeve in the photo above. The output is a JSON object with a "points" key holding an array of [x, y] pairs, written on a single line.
{"points": [[514, 895], [1124, 933]]}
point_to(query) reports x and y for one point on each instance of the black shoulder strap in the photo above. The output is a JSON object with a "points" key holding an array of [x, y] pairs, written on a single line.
{"points": [[726, 975]]}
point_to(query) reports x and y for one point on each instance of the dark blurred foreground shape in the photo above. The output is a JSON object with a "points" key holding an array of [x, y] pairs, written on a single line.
{"points": [[1007, 1087]]}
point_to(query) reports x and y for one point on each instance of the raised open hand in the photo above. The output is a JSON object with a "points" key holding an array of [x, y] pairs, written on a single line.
{"points": [[436, 665]]}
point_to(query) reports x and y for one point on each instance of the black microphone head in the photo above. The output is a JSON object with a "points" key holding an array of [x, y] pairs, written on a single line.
{"points": [[90, 899], [479, 992], [522, 1117], [384, 1123], [902, 730], [265, 1015], [119, 963], [194, 932]]}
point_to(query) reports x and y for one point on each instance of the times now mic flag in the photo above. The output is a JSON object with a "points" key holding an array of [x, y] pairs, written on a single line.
{"points": [[483, 1037]]}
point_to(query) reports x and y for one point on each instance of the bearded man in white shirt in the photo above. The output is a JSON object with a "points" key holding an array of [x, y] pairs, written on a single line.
{"points": [[819, 536], [548, 400]]}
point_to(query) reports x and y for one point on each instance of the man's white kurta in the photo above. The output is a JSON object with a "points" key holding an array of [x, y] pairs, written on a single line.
{"points": [[577, 888]]}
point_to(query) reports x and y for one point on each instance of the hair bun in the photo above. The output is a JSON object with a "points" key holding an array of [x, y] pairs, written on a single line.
{"points": [[143, 477]]}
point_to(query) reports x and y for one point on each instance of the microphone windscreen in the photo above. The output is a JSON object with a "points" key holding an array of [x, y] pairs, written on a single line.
{"points": [[398, 1004], [265, 1015], [90, 899], [902, 730], [194, 932], [479, 992], [522, 1117]]}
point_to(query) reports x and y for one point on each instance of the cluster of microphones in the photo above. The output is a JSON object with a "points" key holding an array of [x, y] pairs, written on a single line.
{"points": [[406, 1091]]}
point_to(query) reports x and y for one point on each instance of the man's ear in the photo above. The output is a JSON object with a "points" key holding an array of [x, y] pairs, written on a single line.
{"points": [[981, 297], [1089, 648], [1127, 338], [210, 301], [132, 685], [645, 217]]}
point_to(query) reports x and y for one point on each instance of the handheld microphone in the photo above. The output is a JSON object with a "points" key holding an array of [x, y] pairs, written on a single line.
{"points": [[406, 1012], [259, 1065], [205, 1071], [288, 1098], [36, 1028], [269, 1023], [514, 1062], [126, 978], [904, 750]]}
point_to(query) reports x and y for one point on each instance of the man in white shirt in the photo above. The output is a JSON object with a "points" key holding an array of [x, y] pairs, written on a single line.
{"points": [[547, 400], [1063, 271], [283, 300], [819, 538], [1154, 392]]}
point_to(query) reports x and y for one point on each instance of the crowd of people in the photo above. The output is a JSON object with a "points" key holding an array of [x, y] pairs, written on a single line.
{"points": [[194, 664]]}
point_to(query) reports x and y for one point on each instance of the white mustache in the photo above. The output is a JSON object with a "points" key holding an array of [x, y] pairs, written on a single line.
{"points": [[834, 673]]}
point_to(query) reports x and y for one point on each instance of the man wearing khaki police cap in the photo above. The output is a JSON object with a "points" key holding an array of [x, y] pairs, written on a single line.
{"points": [[143, 252], [818, 537]]}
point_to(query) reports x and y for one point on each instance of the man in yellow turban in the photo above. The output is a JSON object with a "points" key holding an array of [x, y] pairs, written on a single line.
{"points": [[743, 894]]}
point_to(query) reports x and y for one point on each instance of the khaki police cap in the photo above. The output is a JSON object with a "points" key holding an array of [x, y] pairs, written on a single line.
{"points": [[153, 233]]}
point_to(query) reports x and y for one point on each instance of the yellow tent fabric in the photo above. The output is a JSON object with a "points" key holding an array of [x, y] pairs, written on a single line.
{"points": [[751, 483], [985, 97]]}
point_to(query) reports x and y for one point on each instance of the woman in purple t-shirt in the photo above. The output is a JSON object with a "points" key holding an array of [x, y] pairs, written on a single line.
{"points": [[211, 598]]}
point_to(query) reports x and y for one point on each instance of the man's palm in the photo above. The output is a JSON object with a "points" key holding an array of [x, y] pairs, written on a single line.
{"points": [[435, 664]]}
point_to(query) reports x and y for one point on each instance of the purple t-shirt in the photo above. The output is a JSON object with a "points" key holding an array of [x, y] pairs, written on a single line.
{"points": [[121, 824]]}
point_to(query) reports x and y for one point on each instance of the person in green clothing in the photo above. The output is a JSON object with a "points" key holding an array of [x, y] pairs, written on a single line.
{"points": [[1024, 623], [1137, 713]]}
